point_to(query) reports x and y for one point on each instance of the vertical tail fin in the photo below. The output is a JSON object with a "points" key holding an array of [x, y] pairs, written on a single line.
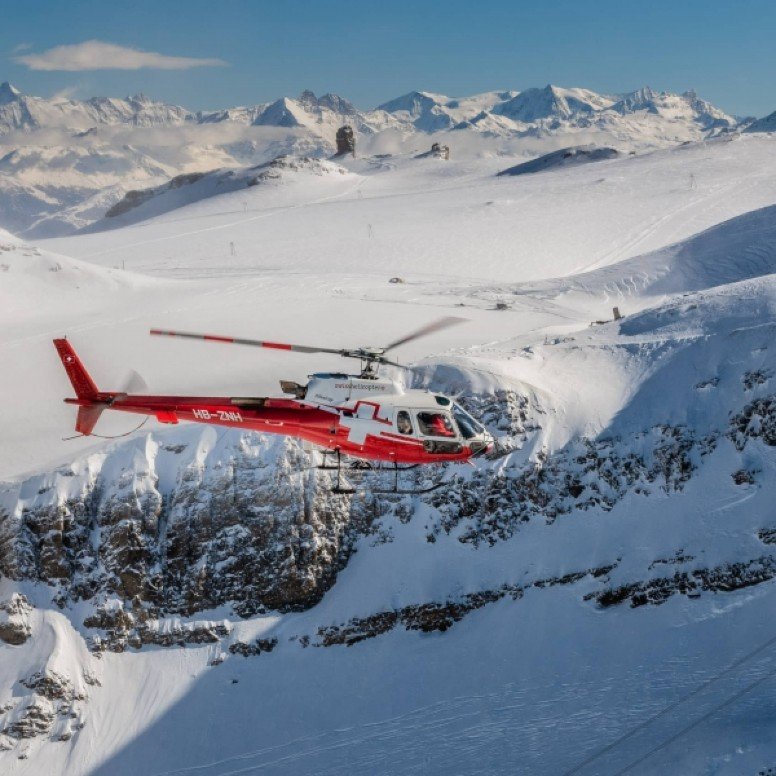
{"points": [[83, 385]]}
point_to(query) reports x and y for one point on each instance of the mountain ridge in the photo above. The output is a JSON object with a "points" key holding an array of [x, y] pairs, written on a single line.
{"points": [[423, 110]]}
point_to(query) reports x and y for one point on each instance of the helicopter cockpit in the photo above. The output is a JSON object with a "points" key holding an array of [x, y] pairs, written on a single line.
{"points": [[443, 429]]}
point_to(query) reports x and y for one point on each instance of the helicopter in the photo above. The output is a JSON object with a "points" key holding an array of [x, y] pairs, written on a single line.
{"points": [[365, 416]]}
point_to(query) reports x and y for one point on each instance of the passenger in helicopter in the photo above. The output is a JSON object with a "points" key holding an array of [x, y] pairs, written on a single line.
{"points": [[435, 424], [403, 422]]}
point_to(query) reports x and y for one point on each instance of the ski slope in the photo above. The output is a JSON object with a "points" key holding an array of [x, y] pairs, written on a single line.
{"points": [[433, 218], [542, 680]]}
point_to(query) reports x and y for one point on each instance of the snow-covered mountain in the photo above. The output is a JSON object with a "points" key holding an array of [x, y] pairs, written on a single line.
{"points": [[551, 102], [19, 111], [765, 124], [88, 154], [183, 190], [594, 598]]}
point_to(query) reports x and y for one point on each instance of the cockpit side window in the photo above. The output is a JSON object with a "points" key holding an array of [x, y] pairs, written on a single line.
{"points": [[403, 422], [435, 424]]}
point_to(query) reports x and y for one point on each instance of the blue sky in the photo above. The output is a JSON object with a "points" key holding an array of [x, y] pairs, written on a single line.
{"points": [[373, 51]]}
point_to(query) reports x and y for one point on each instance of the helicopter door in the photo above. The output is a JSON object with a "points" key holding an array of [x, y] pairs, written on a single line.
{"points": [[439, 427]]}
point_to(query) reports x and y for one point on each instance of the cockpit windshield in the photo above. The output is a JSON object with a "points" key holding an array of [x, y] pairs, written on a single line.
{"points": [[468, 426]]}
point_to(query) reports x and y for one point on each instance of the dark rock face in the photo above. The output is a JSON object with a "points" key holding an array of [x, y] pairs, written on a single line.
{"points": [[52, 686], [122, 628], [743, 477], [583, 475], [256, 647], [14, 620], [135, 198], [756, 377], [757, 420], [258, 527], [346, 141], [423, 617], [36, 719], [767, 535], [725, 578], [565, 157], [433, 616], [51, 708]]}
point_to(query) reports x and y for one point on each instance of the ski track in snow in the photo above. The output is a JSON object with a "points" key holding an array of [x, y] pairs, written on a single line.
{"points": [[400, 744]]}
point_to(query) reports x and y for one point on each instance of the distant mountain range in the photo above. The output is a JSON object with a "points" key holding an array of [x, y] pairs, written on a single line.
{"points": [[65, 162], [505, 112]]}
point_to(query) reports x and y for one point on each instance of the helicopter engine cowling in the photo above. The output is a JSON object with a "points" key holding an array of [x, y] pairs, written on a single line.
{"points": [[337, 389]]}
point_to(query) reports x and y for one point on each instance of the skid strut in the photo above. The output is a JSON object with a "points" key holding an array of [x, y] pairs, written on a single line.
{"points": [[396, 490]]}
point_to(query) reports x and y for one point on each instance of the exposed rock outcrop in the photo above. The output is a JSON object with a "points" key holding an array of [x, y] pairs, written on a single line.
{"points": [[14, 620], [256, 647], [122, 628], [254, 524], [726, 578], [433, 616]]}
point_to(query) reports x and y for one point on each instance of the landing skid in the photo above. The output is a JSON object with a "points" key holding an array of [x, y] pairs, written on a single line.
{"points": [[366, 467]]}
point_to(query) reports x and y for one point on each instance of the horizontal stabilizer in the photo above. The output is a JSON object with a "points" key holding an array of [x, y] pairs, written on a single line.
{"points": [[87, 418]]}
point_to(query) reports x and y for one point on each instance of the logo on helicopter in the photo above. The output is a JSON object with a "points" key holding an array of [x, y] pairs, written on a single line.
{"points": [[379, 387]]}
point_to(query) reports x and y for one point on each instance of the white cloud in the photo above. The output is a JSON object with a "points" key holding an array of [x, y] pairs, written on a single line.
{"points": [[98, 55], [65, 94], [21, 47]]}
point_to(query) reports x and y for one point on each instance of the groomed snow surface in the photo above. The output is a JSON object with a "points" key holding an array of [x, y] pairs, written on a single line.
{"points": [[683, 240]]}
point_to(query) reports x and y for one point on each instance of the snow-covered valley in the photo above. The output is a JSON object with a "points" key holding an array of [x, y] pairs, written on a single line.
{"points": [[595, 598]]}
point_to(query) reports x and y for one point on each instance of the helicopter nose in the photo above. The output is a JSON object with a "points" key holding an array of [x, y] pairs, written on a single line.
{"points": [[481, 446]]}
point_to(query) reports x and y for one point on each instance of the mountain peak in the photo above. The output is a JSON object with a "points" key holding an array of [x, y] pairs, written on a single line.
{"points": [[639, 99], [412, 102], [535, 104], [8, 93], [645, 93], [308, 99], [336, 103]]}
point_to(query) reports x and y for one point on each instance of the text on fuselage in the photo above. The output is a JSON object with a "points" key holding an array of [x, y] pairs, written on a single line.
{"points": [[220, 415]]}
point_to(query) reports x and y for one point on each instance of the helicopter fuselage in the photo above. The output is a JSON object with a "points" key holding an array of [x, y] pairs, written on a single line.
{"points": [[371, 419]]}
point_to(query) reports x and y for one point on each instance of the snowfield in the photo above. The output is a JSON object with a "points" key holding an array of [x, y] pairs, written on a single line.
{"points": [[597, 598]]}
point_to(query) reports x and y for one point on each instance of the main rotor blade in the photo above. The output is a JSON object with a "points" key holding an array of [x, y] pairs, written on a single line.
{"points": [[240, 341], [429, 328], [382, 360]]}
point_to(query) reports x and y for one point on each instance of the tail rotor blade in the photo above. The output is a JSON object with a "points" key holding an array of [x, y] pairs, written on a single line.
{"points": [[134, 383]]}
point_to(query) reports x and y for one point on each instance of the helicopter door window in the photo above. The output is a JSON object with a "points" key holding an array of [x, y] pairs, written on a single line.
{"points": [[435, 424], [403, 422]]}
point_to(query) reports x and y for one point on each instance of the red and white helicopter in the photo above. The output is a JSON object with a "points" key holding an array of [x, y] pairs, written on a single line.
{"points": [[363, 416]]}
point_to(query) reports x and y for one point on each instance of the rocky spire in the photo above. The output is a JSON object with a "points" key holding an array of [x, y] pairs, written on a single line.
{"points": [[8, 93]]}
